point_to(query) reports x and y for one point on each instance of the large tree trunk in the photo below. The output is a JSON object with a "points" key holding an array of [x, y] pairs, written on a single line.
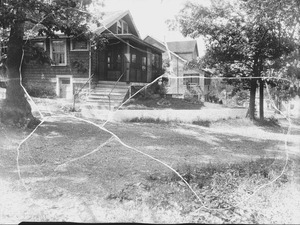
{"points": [[261, 99], [252, 99], [15, 109]]}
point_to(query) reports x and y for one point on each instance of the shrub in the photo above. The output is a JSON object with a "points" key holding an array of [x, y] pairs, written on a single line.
{"points": [[40, 90], [204, 123], [146, 120], [153, 91]]}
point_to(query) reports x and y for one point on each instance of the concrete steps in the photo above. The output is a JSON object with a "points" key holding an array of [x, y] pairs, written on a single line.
{"points": [[99, 95]]}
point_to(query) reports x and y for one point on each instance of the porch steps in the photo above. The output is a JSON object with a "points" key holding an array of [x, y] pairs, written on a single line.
{"points": [[99, 95]]}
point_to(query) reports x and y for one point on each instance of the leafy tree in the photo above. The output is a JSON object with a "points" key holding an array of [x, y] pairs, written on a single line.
{"points": [[243, 39], [27, 18]]}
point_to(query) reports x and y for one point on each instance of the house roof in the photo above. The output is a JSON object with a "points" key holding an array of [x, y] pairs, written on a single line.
{"points": [[110, 18], [134, 39], [183, 46], [153, 41], [159, 44]]}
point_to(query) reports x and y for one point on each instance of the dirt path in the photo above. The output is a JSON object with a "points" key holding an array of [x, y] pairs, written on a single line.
{"points": [[58, 184]]}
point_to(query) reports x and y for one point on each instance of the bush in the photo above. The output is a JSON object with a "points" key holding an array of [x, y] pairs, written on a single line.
{"points": [[155, 90], [40, 90]]}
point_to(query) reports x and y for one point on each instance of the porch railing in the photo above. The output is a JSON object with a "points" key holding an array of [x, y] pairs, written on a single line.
{"points": [[77, 93], [109, 95]]}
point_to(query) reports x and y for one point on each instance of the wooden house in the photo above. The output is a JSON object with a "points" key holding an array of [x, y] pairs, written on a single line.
{"points": [[178, 54], [126, 59]]}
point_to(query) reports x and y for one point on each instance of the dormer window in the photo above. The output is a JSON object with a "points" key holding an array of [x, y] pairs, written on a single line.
{"points": [[122, 27]]}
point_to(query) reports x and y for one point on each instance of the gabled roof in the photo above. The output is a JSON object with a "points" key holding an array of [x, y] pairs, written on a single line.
{"points": [[153, 41], [110, 18], [183, 46], [159, 44], [134, 39]]}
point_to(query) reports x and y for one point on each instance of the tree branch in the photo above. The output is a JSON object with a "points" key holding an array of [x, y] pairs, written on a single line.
{"points": [[31, 20]]}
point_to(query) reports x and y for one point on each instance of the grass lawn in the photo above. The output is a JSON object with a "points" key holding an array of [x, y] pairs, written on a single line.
{"points": [[73, 171]]}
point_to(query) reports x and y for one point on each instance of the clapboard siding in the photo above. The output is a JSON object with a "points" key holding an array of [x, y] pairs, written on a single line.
{"points": [[32, 71]]}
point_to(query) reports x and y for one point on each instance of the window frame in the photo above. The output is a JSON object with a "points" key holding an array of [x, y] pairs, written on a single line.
{"points": [[121, 23], [78, 49], [123, 29], [144, 63], [135, 58], [114, 59], [65, 51]]}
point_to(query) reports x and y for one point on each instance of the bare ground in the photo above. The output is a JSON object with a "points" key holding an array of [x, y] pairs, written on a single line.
{"points": [[51, 177]]}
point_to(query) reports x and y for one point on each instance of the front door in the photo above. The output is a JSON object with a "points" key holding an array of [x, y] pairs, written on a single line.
{"points": [[114, 63]]}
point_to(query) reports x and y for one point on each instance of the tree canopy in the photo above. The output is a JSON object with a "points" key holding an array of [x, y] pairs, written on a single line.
{"points": [[245, 38]]}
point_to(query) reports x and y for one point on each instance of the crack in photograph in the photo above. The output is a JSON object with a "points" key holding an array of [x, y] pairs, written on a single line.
{"points": [[150, 111]]}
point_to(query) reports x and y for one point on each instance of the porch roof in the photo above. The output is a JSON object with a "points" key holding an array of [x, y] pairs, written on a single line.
{"points": [[123, 37]]}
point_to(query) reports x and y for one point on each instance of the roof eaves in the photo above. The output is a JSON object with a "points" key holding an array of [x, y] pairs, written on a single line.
{"points": [[137, 31], [106, 25], [164, 44], [133, 37]]}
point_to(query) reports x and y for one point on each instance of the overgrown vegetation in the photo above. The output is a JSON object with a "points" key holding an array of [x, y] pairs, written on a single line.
{"points": [[229, 188], [204, 123], [40, 90], [147, 120]]}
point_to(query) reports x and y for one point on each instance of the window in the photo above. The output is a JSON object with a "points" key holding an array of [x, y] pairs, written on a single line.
{"points": [[207, 80], [119, 27], [59, 52], [191, 79], [114, 59], [125, 28], [109, 66], [119, 61], [144, 63], [122, 27], [133, 58], [155, 60], [79, 45]]}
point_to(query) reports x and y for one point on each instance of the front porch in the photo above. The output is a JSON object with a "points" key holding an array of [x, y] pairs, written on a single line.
{"points": [[127, 59]]}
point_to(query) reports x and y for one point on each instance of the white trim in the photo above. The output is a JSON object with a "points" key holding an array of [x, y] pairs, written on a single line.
{"points": [[57, 83], [79, 50], [65, 41], [75, 80]]}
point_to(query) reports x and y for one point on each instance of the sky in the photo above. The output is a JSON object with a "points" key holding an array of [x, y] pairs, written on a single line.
{"points": [[150, 15]]}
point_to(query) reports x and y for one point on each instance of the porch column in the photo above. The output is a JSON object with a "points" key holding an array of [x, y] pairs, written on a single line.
{"points": [[127, 61], [149, 65]]}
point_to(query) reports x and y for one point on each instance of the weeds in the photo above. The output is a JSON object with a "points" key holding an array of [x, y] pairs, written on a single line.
{"points": [[147, 120], [203, 123], [225, 187]]}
